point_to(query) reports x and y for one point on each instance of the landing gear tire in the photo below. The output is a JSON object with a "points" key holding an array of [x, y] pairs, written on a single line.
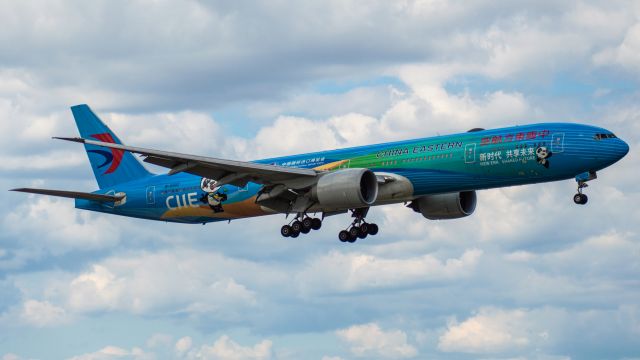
{"points": [[344, 236], [354, 231], [580, 199], [295, 234], [363, 231], [307, 223], [316, 224], [305, 230], [296, 226], [286, 231], [352, 239], [373, 229]]}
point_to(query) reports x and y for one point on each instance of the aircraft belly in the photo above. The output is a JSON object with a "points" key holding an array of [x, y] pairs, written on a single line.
{"points": [[234, 210]]}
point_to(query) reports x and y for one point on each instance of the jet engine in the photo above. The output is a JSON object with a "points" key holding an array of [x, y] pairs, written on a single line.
{"points": [[346, 189], [445, 206]]}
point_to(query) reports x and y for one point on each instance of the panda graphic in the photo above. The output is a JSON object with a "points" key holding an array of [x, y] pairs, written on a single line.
{"points": [[213, 196], [542, 155]]}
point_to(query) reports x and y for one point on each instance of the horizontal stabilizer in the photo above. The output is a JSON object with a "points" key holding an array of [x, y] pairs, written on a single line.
{"points": [[72, 194]]}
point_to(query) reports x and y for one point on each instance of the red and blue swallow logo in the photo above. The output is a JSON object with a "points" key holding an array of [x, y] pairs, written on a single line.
{"points": [[113, 157]]}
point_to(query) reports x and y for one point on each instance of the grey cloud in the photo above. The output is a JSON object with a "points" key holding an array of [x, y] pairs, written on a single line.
{"points": [[164, 56]]}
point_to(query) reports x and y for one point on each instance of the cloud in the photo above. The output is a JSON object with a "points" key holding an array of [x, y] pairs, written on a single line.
{"points": [[544, 330], [350, 272], [625, 54], [369, 340], [42, 313], [151, 283], [225, 348], [114, 352], [529, 271], [487, 332], [54, 224], [183, 345], [145, 62], [366, 100]]}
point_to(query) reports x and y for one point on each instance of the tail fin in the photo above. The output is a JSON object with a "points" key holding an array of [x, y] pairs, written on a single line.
{"points": [[110, 166]]}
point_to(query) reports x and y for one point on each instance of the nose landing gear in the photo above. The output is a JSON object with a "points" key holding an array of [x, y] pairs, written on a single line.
{"points": [[580, 198], [582, 179]]}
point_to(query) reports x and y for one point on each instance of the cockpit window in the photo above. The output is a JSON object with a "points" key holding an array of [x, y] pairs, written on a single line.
{"points": [[605, 136]]}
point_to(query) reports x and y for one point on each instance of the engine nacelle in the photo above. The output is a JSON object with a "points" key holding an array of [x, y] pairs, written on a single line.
{"points": [[446, 206], [346, 189]]}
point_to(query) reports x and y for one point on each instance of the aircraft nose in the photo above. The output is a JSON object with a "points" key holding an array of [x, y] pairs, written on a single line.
{"points": [[623, 149]]}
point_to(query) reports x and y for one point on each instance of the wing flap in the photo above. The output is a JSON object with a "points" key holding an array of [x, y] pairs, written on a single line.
{"points": [[71, 194]]}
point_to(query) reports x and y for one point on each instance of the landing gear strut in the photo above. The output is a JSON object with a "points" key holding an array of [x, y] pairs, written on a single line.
{"points": [[359, 228], [302, 224], [582, 179]]}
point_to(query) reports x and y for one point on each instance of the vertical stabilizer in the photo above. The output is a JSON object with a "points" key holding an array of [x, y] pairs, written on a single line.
{"points": [[110, 166]]}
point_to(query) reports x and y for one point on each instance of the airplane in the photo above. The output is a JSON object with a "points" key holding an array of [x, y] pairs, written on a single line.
{"points": [[436, 177]]}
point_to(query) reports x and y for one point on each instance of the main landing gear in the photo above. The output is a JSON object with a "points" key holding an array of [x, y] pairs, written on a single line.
{"points": [[359, 229], [302, 224]]}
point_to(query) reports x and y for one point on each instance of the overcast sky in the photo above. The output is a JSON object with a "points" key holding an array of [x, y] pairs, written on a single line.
{"points": [[529, 276]]}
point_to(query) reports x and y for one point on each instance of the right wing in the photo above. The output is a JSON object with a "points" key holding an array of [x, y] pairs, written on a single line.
{"points": [[72, 194]]}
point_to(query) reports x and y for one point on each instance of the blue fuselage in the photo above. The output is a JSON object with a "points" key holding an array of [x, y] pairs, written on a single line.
{"points": [[460, 162]]}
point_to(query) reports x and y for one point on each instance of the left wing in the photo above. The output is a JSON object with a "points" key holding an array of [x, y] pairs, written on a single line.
{"points": [[224, 171]]}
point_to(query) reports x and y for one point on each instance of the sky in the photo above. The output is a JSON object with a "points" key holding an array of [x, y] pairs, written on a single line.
{"points": [[529, 275]]}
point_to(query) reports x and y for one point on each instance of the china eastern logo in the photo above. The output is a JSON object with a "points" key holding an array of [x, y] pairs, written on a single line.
{"points": [[111, 156]]}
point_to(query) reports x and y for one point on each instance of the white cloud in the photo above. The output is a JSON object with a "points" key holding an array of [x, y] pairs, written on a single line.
{"points": [[114, 352], [10, 356], [487, 332], [369, 340], [370, 101], [626, 54], [347, 272], [53, 160], [56, 225], [186, 131], [96, 290], [189, 281], [42, 313], [183, 345], [227, 349]]}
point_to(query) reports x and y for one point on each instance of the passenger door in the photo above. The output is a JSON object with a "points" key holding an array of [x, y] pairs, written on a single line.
{"points": [[470, 153], [151, 195], [557, 143]]}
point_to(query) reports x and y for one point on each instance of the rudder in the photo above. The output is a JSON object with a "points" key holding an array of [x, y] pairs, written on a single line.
{"points": [[110, 166]]}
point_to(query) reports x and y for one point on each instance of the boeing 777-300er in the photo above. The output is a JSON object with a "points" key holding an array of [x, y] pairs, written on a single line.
{"points": [[436, 177]]}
